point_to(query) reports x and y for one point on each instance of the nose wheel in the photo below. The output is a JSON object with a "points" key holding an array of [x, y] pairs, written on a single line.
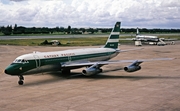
{"points": [[21, 78]]}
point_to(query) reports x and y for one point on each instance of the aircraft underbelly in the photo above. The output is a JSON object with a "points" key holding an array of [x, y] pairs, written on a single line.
{"points": [[45, 68]]}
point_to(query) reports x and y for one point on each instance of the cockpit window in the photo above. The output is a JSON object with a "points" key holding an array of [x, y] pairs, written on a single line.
{"points": [[20, 61], [23, 60]]}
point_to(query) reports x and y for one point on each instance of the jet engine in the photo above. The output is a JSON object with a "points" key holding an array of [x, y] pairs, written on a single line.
{"points": [[133, 67], [94, 69]]}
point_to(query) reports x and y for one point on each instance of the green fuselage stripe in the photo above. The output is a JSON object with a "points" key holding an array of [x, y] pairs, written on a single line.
{"points": [[32, 64]]}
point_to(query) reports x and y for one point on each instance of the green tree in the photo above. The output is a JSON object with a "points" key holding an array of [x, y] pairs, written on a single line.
{"points": [[7, 30], [69, 30], [83, 30]]}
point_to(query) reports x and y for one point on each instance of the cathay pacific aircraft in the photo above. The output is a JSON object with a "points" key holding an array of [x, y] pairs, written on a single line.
{"points": [[91, 58]]}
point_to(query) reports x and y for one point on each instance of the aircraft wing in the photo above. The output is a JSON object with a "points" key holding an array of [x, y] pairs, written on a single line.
{"points": [[173, 39], [130, 49], [128, 39], [101, 63], [134, 39]]}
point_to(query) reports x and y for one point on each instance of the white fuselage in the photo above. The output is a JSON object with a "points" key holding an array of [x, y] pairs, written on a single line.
{"points": [[52, 61], [145, 36]]}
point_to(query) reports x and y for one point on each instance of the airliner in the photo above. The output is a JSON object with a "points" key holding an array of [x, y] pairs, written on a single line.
{"points": [[90, 58], [147, 38], [154, 40]]}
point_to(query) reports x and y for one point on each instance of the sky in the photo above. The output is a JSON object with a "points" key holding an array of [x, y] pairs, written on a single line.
{"points": [[91, 13]]}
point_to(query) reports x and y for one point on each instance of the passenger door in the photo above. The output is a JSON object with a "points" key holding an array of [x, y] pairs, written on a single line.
{"points": [[37, 61], [69, 58]]}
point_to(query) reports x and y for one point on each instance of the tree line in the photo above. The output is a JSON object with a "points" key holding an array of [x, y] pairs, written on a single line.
{"points": [[14, 30]]}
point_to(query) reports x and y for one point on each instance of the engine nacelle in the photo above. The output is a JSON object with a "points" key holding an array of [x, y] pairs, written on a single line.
{"points": [[132, 68], [91, 71]]}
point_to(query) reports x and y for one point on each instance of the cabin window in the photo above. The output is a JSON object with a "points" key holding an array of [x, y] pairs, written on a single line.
{"points": [[20, 61]]}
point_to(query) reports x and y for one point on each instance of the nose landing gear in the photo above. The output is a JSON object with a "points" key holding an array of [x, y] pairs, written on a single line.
{"points": [[21, 78]]}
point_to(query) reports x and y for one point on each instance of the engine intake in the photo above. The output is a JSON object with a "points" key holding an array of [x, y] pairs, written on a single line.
{"points": [[91, 71], [133, 67], [94, 69]]}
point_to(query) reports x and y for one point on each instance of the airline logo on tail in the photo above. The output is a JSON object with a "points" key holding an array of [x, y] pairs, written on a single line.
{"points": [[113, 39]]}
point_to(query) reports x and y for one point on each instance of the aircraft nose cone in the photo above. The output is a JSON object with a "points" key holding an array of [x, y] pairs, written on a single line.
{"points": [[13, 69], [9, 71], [5, 71]]}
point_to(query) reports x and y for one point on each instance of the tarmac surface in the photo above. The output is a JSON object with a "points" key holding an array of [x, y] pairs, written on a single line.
{"points": [[156, 87]]}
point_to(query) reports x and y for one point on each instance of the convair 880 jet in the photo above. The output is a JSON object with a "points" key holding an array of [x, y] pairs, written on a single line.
{"points": [[91, 58]]}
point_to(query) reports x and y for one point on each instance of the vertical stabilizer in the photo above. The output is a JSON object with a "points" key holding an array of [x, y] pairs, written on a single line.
{"points": [[113, 39], [137, 31]]}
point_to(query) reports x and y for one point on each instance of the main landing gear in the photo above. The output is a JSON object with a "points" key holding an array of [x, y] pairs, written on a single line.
{"points": [[21, 78]]}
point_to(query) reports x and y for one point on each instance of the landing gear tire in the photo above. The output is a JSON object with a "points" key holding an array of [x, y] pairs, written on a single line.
{"points": [[20, 82], [21, 78]]}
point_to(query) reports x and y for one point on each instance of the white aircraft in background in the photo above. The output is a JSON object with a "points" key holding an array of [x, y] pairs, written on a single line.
{"points": [[146, 38], [154, 40], [91, 58]]}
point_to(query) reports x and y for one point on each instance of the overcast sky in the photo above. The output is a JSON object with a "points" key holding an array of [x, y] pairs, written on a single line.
{"points": [[91, 13]]}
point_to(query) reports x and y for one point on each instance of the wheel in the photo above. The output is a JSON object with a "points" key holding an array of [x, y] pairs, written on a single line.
{"points": [[20, 82]]}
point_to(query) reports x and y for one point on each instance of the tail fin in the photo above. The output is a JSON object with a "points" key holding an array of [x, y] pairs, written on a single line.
{"points": [[137, 31], [113, 39]]}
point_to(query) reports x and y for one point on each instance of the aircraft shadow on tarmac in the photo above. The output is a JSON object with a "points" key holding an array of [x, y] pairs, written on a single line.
{"points": [[57, 76]]}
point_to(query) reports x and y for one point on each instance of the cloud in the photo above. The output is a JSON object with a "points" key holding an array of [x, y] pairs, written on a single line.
{"points": [[86, 13], [17, 0]]}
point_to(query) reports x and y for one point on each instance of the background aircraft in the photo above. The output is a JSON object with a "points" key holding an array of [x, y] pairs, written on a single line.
{"points": [[145, 37], [91, 58], [153, 40]]}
